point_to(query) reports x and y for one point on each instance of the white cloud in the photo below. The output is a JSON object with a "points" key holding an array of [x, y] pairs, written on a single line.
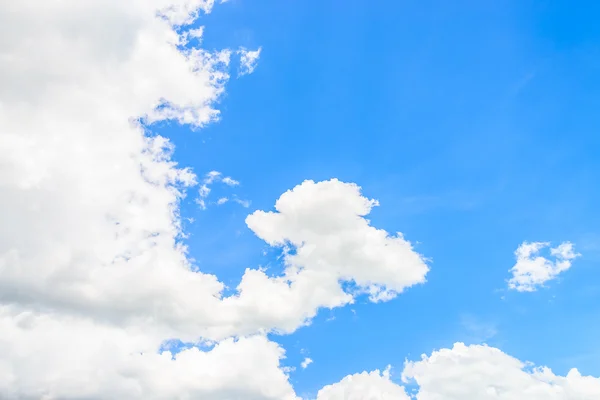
{"points": [[325, 223], [92, 200], [92, 278], [306, 362], [212, 176], [53, 357], [531, 270], [486, 373], [243, 203], [205, 188], [467, 372], [373, 385], [230, 182], [248, 60]]}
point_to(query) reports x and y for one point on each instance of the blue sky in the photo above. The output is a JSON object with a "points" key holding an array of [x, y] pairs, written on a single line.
{"points": [[151, 252], [473, 124]]}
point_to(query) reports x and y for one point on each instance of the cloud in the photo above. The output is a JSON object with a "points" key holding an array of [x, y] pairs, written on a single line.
{"points": [[467, 372], [248, 60], [532, 270], [93, 277], [333, 242], [49, 356], [243, 203], [482, 372], [307, 361], [205, 189], [230, 182], [364, 386]]}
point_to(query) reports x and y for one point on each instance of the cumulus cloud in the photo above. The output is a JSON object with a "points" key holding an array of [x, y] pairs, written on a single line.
{"points": [[364, 386], [482, 372], [327, 242], [58, 357], [248, 60], [467, 372], [324, 222], [92, 275], [532, 270]]}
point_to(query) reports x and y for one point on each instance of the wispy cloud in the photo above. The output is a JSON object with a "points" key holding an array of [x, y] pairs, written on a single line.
{"points": [[205, 190], [478, 330], [248, 61], [230, 182]]}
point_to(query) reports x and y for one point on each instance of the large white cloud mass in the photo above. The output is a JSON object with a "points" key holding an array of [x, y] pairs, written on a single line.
{"points": [[93, 276]]}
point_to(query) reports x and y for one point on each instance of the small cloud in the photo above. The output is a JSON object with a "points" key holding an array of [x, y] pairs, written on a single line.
{"points": [[222, 200], [204, 191], [211, 176], [307, 361], [531, 270], [248, 61], [243, 203], [230, 182], [201, 203]]}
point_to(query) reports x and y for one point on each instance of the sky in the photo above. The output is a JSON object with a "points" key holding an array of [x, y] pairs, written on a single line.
{"points": [[299, 200]]}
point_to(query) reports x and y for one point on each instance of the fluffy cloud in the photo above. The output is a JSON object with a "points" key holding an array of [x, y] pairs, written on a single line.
{"points": [[467, 372], [333, 241], [57, 357], [482, 372], [92, 277], [532, 270], [90, 198], [373, 385]]}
